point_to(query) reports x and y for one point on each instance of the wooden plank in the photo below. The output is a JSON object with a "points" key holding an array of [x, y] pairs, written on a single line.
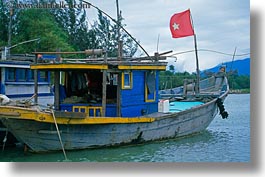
{"points": [[57, 85], [36, 81], [139, 67], [119, 97], [104, 93], [57, 90], [72, 115], [16, 114], [87, 52], [69, 66]]}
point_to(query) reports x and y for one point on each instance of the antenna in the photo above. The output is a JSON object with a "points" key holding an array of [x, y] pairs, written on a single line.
{"points": [[157, 43], [118, 30], [233, 59]]}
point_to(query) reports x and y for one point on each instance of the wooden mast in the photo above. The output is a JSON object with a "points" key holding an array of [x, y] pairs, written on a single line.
{"points": [[197, 83], [57, 84], [36, 80], [118, 31], [10, 27], [119, 58], [104, 88]]}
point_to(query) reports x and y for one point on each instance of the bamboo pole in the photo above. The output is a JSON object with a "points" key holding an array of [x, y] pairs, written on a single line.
{"points": [[197, 83], [87, 52], [36, 81], [104, 89]]}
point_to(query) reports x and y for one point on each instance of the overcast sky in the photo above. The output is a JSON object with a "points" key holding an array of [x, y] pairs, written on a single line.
{"points": [[220, 25]]}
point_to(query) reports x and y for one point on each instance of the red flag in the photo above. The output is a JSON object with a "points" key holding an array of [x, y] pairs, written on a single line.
{"points": [[180, 25]]}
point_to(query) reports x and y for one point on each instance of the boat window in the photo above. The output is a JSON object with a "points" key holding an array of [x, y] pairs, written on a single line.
{"points": [[21, 74], [30, 75], [25, 75], [112, 79], [150, 86], [115, 79], [127, 80], [11, 74], [43, 76]]}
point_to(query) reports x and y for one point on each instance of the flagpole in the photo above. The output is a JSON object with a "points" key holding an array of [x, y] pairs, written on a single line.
{"points": [[197, 84]]}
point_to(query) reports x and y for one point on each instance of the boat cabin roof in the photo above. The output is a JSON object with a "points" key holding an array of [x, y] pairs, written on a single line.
{"points": [[101, 64], [94, 62]]}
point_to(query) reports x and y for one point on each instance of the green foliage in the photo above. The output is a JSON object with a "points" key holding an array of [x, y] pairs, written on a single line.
{"points": [[106, 37], [30, 24], [4, 19], [168, 79], [102, 35], [42, 26], [64, 28], [239, 82], [172, 68], [73, 22]]}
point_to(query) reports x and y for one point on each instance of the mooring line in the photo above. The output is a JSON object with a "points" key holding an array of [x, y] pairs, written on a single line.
{"points": [[60, 139], [5, 139]]}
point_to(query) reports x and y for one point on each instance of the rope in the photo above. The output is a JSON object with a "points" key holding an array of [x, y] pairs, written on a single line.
{"points": [[5, 139], [59, 136], [208, 50]]}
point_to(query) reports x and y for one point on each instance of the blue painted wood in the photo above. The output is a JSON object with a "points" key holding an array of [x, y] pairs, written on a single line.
{"points": [[139, 110], [133, 100], [110, 108], [16, 72]]}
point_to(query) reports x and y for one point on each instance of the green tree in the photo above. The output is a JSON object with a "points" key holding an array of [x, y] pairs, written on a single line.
{"points": [[7, 12], [4, 18], [171, 68], [106, 36], [73, 22], [239, 82], [64, 28], [39, 23], [168, 79]]}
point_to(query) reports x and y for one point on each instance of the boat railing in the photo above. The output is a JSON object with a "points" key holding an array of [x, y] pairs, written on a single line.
{"points": [[91, 111]]}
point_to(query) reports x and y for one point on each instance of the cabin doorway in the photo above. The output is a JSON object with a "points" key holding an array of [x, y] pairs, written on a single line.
{"points": [[85, 86], [83, 91], [112, 83]]}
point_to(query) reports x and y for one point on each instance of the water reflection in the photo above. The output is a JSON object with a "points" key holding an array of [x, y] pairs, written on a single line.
{"points": [[167, 150]]}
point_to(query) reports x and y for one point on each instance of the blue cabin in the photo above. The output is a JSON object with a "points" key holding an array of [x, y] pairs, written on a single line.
{"points": [[17, 79], [105, 87]]}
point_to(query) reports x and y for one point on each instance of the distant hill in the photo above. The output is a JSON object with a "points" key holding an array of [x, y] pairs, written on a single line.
{"points": [[242, 67]]}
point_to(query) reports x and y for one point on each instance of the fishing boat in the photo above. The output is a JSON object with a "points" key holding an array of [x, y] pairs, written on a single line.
{"points": [[102, 102]]}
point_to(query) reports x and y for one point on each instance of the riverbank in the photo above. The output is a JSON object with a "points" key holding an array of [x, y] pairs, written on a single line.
{"points": [[239, 91]]}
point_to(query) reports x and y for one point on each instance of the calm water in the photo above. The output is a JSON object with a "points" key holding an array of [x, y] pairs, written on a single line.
{"points": [[223, 141]]}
